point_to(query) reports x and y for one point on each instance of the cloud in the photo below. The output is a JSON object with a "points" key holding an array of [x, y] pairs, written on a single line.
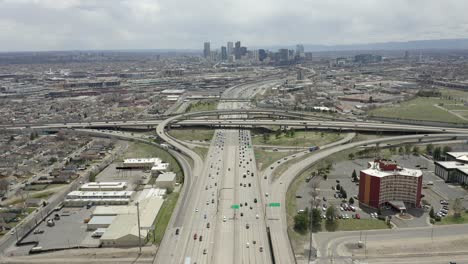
{"points": [[122, 24]]}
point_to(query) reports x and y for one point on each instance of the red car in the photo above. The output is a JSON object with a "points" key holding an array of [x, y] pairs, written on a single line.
{"points": [[195, 237], [358, 216]]}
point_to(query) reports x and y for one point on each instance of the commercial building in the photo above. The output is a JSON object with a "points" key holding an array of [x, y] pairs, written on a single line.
{"points": [[230, 48], [166, 180], [126, 216], [224, 55], [452, 171], [100, 222], [206, 50], [144, 163], [104, 186], [386, 183], [81, 198], [237, 50]]}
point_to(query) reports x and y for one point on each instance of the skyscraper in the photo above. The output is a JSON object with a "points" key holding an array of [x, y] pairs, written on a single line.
{"points": [[237, 50], [224, 55], [299, 50], [262, 54], [230, 48], [206, 50]]}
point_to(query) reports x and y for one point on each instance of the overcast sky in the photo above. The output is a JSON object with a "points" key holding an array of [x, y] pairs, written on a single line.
{"points": [[153, 24]]}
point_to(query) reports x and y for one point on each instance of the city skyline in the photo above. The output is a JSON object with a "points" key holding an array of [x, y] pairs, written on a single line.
{"points": [[151, 24]]}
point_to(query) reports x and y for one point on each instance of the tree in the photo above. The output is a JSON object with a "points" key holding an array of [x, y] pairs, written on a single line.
{"points": [[436, 154], [316, 219], [292, 132], [401, 150], [301, 221], [351, 200], [351, 156], [266, 137], [431, 212], [429, 148], [331, 214], [379, 211], [407, 149], [446, 149], [354, 175], [278, 133], [4, 185], [338, 187], [457, 208], [343, 193], [415, 150]]}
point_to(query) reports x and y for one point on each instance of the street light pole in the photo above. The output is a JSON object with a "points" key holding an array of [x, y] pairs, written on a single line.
{"points": [[138, 216]]}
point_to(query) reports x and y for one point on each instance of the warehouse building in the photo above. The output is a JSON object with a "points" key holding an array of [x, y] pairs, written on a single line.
{"points": [[104, 186], [126, 216], [100, 222], [451, 171], [386, 183], [82, 198], [166, 180]]}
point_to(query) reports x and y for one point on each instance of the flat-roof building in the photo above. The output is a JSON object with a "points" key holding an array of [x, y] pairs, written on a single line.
{"points": [[166, 180], [104, 186], [451, 171], [386, 183], [81, 198]]}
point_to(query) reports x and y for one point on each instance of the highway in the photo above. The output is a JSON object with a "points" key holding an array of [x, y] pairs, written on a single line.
{"points": [[230, 232]]}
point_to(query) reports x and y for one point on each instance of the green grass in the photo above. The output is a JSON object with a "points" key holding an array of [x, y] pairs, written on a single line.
{"points": [[201, 151], [203, 106], [300, 139], [455, 107], [192, 134], [266, 158], [354, 225], [451, 220], [163, 217], [142, 150], [421, 108]]}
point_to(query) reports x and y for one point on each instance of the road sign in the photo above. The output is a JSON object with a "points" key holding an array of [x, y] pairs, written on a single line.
{"points": [[235, 206], [274, 204]]}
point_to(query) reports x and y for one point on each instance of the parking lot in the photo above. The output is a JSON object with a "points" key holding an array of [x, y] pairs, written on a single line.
{"points": [[68, 231], [342, 172], [132, 177]]}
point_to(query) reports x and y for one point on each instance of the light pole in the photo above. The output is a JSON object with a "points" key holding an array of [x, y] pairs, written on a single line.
{"points": [[138, 217]]}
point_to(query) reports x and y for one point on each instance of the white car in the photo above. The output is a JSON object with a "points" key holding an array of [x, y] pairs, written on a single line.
{"points": [[224, 219], [196, 210]]}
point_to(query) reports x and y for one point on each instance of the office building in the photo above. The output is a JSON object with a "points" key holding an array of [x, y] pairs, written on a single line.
{"points": [[206, 50], [300, 51], [230, 48], [237, 50], [262, 55], [386, 183], [283, 55], [224, 53]]}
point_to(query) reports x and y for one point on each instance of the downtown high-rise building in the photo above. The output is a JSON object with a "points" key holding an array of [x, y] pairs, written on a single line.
{"points": [[206, 50], [237, 50], [230, 48], [224, 53], [300, 50]]}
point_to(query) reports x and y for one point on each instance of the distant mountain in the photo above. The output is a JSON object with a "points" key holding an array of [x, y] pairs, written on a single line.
{"points": [[448, 44]]}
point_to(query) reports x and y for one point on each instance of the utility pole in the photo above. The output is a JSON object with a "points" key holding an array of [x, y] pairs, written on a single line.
{"points": [[138, 216]]}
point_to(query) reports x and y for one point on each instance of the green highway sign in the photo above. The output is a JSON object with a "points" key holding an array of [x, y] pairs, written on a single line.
{"points": [[274, 204], [235, 206]]}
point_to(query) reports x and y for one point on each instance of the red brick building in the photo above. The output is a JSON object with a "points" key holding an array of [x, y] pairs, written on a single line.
{"points": [[386, 183]]}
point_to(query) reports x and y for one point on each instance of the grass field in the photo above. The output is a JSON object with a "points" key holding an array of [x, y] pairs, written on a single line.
{"points": [[421, 108], [192, 134], [142, 150], [201, 151], [300, 139], [163, 217], [354, 225], [202, 106], [265, 158], [450, 220]]}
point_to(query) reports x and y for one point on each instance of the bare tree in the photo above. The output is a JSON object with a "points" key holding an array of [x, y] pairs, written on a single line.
{"points": [[457, 207]]}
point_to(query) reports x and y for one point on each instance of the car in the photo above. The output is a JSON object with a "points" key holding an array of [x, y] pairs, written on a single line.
{"points": [[196, 210], [247, 244], [298, 196], [201, 238], [247, 226], [204, 251], [207, 225], [250, 185], [255, 200], [195, 236], [212, 200], [265, 177], [333, 187], [261, 249], [241, 214], [177, 231], [266, 194], [358, 216], [271, 167], [204, 216], [13, 231], [324, 199], [224, 219], [256, 216]]}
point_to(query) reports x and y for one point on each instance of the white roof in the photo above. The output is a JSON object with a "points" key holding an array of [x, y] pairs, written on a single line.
{"points": [[173, 91], [142, 160], [160, 166], [377, 172], [101, 219], [461, 156], [452, 164], [166, 176], [110, 194], [97, 185]]}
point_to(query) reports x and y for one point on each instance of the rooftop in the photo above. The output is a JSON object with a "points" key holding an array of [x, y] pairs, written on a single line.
{"points": [[166, 176], [377, 169]]}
